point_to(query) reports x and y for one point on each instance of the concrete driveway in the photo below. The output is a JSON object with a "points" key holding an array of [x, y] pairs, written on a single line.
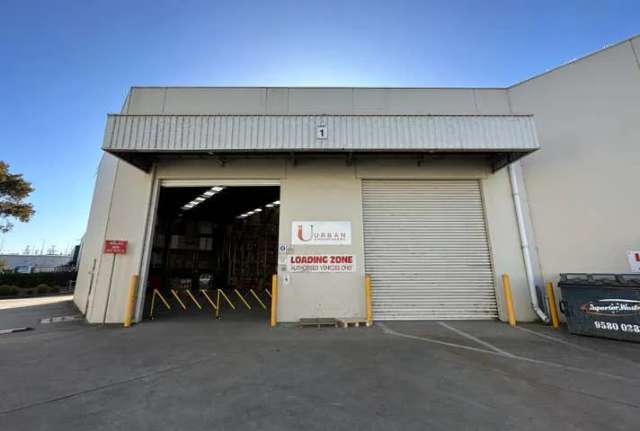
{"points": [[194, 373]]}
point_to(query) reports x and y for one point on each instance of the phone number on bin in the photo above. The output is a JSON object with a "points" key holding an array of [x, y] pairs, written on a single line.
{"points": [[612, 326]]}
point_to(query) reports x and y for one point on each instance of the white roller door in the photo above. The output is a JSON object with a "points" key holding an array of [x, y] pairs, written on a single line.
{"points": [[426, 249]]}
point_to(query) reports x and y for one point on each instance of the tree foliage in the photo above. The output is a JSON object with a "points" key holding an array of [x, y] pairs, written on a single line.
{"points": [[13, 191]]}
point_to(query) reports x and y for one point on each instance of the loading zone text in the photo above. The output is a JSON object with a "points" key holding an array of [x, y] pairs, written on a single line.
{"points": [[322, 263]]}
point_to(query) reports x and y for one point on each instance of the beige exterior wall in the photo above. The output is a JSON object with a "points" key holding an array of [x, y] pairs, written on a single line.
{"points": [[310, 190], [91, 252], [582, 185], [181, 100], [118, 212]]}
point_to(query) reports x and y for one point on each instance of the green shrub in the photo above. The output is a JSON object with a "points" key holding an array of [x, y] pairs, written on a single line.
{"points": [[41, 289], [28, 292], [54, 289], [7, 290], [30, 281]]}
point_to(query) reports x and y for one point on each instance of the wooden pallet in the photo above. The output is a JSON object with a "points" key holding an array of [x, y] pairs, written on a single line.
{"points": [[317, 322], [355, 323]]}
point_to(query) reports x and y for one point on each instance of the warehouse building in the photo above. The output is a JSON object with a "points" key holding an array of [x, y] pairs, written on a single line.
{"points": [[433, 192]]}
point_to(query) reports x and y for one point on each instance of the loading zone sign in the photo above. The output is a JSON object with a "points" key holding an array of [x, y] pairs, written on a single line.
{"points": [[321, 263]]}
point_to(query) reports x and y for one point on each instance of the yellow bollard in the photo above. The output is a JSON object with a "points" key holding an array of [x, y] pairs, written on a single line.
{"points": [[367, 296], [506, 285], [131, 300], [553, 310], [274, 299]]}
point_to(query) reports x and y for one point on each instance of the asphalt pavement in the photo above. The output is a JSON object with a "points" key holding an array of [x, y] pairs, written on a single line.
{"points": [[191, 372]]}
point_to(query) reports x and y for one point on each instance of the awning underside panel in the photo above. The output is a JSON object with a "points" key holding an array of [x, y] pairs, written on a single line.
{"points": [[302, 133]]}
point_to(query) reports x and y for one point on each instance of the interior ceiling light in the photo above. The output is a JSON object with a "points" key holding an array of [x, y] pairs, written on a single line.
{"points": [[258, 210], [204, 196]]}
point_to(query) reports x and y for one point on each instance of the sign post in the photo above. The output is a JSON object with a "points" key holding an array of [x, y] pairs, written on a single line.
{"points": [[114, 247]]}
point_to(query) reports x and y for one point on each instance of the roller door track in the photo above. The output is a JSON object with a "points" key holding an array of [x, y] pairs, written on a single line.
{"points": [[426, 249]]}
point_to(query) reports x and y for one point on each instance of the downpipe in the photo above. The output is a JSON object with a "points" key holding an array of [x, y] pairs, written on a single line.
{"points": [[524, 243]]}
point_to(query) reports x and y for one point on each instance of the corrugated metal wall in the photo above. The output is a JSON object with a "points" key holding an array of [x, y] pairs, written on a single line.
{"points": [[427, 251], [298, 132]]}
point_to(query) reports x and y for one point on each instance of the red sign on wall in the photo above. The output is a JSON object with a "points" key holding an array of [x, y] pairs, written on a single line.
{"points": [[115, 246], [322, 263]]}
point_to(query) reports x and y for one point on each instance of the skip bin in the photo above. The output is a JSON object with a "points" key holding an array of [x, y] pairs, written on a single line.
{"points": [[602, 305]]}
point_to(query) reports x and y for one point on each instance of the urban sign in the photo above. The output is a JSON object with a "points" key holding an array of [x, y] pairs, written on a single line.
{"points": [[114, 246], [321, 232], [321, 263]]}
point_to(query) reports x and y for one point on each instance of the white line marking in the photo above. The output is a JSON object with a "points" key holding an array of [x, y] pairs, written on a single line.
{"points": [[390, 331], [61, 319], [577, 346], [477, 340]]}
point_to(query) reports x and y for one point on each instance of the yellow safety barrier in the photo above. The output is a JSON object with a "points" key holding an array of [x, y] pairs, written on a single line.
{"points": [[175, 294], [244, 301], [131, 300], [206, 295], [506, 285], [219, 306], [153, 301], [553, 310], [216, 304], [224, 295], [193, 298], [367, 296], [264, 307], [274, 299]]}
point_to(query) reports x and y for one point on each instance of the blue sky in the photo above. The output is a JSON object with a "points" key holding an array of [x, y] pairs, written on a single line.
{"points": [[65, 64]]}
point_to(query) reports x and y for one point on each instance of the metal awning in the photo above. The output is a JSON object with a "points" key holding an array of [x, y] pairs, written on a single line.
{"points": [[139, 139]]}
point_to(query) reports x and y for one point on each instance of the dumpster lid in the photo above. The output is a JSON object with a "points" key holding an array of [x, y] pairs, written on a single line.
{"points": [[600, 280]]}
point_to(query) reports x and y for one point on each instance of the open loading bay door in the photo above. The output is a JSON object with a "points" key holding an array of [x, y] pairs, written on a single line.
{"points": [[427, 251], [213, 247]]}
